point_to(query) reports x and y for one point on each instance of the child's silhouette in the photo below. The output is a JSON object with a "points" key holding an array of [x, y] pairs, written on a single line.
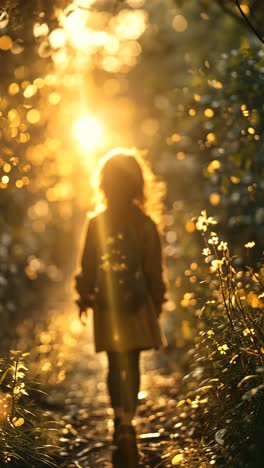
{"points": [[121, 278]]}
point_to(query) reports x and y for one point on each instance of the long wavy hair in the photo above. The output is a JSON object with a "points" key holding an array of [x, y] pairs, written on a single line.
{"points": [[124, 177]]}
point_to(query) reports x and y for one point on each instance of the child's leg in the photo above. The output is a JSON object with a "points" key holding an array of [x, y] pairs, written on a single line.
{"points": [[114, 383], [130, 384], [123, 383]]}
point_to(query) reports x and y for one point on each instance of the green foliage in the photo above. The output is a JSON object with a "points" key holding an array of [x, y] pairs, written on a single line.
{"points": [[228, 377], [252, 9], [225, 109], [24, 429], [215, 162]]}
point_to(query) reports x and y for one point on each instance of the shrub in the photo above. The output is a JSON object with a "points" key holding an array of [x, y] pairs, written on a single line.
{"points": [[24, 429], [228, 377]]}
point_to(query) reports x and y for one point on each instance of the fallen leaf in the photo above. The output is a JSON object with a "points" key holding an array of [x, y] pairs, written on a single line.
{"points": [[177, 459]]}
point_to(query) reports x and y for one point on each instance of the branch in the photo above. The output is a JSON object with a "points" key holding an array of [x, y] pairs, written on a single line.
{"points": [[249, 22], [229, 12]]}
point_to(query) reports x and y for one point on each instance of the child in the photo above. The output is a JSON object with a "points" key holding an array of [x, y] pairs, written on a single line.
{"points": [[121, 278]]}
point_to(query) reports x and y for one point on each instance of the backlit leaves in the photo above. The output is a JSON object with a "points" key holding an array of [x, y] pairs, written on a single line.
{"points": [[178, 459], [17, 422]]}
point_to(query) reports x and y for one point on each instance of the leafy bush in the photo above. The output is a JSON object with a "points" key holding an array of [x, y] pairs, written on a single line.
{"points": [[228, 377], [24, 429]]}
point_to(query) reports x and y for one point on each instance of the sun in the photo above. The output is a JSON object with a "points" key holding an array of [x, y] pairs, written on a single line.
{"points": [[88, 131]]}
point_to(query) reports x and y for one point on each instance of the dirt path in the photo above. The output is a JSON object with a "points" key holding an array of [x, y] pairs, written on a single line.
{"points": [[82, 403]]}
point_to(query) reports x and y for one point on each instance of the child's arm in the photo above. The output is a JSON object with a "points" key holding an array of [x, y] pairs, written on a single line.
{"points": [[86, 277], [154, 266]]}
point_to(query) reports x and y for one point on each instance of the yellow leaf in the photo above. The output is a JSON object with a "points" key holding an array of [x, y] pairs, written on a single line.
{"points": [[180, 403], [18, 421], [4, 375], [178, 459], [253, 300], [5, 43]]}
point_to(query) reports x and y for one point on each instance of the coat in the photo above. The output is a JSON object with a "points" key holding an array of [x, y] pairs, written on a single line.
{"points": [[116, 330]]}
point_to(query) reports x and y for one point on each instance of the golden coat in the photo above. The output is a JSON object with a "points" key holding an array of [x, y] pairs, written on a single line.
{"points": [[116, 330]]}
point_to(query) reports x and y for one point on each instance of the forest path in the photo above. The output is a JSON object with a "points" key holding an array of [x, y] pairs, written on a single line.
{"points": [[83, 403]]}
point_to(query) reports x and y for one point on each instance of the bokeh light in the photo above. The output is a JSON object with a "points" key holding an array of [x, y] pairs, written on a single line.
{"points": [[179, 23]]}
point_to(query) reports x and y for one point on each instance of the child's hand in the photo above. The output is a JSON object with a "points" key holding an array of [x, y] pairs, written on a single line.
{"points": [[83, 316]]}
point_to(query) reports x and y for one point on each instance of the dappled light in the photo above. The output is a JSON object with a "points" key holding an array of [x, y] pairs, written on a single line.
{"points": [[177, 87]]}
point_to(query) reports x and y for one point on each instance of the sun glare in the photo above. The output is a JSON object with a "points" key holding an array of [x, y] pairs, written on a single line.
{"points": [[89, 132]]}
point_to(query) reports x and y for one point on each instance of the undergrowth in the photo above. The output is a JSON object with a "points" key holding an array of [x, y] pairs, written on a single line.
{"points": [[226, 396], [25, 429]]}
